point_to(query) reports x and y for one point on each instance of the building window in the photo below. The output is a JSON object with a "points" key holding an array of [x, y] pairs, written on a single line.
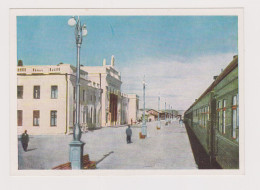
{"points": [[84, 115], [234, 117], [95, 115], [54, 92], [20, 117], [74, 93], [19, 92], [224, 117], [36, 117], [83, 96], [36, 92], [74, 117], [91, 115], [53, 118]]}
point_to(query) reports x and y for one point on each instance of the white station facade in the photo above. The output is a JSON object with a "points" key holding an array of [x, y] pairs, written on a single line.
{"points": [[46, 101]]}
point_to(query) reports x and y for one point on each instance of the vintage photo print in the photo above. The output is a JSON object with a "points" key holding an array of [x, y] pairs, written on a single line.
{"points": [[126, 91]]}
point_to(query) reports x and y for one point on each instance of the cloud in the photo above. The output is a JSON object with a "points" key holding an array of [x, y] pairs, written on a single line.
{"points": [[179, 81]]}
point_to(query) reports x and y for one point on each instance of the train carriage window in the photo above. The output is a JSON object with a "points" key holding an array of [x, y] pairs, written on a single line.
{"points": [[234, 117], [237, 114], [219, 116], [204, 116], [202, 120], [200, 116], [208, 113], [224, 117]]}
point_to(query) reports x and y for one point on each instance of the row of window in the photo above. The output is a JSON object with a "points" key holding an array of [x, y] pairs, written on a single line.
{"points": [[221, 116], [36, 118], [54, 93], [37, 92], [53, 117], [203, 115], [84, 95], [85, 114]]}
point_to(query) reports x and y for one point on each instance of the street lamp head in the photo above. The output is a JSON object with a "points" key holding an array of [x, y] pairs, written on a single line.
{"points": [[84, 30], [72, 21]]}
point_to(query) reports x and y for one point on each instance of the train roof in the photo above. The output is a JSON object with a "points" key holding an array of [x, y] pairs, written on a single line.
{"points": [[232, 65]]}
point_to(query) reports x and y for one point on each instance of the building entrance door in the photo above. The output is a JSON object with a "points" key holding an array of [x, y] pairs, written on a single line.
{"points": [[113, 108]]}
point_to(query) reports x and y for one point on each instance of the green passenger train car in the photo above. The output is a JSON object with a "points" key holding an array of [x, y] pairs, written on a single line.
{"points": [[214, 118]]}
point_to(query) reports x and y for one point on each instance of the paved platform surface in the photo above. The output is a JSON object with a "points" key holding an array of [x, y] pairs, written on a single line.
{"points": [[168, 148]]}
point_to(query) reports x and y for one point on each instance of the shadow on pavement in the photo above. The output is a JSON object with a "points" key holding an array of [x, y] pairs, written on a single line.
{"points": [[106, 155], [201, 157], [31, 149]]}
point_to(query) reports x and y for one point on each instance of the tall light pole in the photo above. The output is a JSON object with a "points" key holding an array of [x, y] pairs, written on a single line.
{"points": [[172, 113], [144, 127], [76, 146], [165, 111], [169, 116], [159, 123]]}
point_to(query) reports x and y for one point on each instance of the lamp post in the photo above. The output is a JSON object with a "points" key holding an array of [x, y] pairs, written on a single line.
{"points": [[165, 111], [169, 116], [76, 146], [144, 127], [172, 114], [159, 123]]}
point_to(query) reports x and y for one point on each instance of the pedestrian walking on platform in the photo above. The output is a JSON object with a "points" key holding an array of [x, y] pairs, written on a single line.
{"points": [[128, 134], [25, 140], [181, 122]]}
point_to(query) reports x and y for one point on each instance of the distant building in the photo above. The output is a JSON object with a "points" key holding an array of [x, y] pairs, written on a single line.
{"points": [[152, 115]]}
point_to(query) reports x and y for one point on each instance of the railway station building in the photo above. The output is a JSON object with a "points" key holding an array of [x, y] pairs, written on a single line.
{"points": [[46, 100]]}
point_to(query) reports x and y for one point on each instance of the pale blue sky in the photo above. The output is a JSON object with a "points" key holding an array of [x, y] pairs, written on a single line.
{"points": [[135, 41], [49, 40]]}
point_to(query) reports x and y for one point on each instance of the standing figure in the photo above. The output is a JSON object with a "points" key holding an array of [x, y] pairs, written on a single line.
{"points": [[25, 140], [128, 134], [181, 122]]}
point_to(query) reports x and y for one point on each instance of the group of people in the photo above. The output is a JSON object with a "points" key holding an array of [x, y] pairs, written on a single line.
{"points": [[25, 136]]}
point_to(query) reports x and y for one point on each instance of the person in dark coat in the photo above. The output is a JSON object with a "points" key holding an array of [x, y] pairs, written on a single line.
{"points": [[128, 134], [25, 140]]}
